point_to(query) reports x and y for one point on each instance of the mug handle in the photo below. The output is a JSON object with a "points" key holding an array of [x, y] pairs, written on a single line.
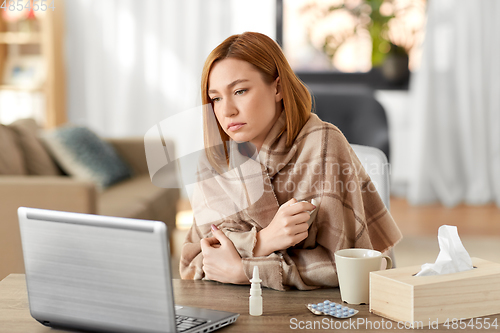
{"points": [[389, 262]]}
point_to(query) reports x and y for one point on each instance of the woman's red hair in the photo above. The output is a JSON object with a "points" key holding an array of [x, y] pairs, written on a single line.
{"points": [[268, 58]]}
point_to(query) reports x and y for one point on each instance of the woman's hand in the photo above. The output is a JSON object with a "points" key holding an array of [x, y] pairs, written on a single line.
{"points": [[221, 261], [288, 228]]}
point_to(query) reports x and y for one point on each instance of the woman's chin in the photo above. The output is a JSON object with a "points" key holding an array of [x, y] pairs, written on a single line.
{"points": [[239, 138]]}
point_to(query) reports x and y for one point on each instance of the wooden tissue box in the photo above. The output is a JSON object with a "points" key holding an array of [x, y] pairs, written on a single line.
{"points": [[398, 295]]}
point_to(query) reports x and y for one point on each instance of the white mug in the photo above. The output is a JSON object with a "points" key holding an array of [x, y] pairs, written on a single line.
{"points": [[353, 271]]}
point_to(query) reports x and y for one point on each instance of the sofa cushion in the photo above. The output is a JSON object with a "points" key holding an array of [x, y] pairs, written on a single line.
{"points": [[37, 159], [139, 198], [11, 157], [82, 154]]}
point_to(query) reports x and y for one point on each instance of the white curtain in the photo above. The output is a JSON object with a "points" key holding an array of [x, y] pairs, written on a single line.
{"points": [[131, 63], [456, 106]]}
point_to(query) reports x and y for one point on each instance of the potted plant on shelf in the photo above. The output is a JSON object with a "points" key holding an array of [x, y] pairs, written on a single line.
{"points": [[377, 19]]}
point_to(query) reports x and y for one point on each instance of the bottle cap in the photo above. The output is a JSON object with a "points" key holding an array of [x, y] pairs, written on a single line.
{"points": [[255, 276]]}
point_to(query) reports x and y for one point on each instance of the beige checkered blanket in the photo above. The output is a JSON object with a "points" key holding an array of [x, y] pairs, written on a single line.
{"points": [[320, 164]]}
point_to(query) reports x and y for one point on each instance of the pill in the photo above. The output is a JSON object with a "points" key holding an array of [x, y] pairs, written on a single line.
{"points": [[333, 309]]}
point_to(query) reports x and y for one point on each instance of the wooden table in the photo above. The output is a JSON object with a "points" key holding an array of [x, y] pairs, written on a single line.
{"points": [[283, 311]]}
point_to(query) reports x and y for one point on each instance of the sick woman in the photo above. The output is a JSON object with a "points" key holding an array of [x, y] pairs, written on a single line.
{"points": [[266, 157]]}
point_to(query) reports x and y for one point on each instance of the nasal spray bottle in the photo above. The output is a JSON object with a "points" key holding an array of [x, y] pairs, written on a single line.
{"points": [[255, 294]]}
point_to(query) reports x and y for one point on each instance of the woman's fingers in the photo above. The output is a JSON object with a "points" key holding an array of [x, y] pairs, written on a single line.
{"points": [[204, 244], [300, 237], [212, 241], [220, 236], [289, 202], [209, 243], [299, 207], [299, 218], [288, 227], [298, 229]]}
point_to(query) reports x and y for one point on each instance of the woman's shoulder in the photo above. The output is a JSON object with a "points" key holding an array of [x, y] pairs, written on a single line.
{"points": [[323, 139], [316, 129]]}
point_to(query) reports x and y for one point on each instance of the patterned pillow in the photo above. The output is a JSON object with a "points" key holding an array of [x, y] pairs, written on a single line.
{"points": [[11, 157], [36, 157], [82, 154]]}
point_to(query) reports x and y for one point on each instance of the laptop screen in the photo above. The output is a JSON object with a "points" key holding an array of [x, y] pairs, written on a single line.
{"points": [[90, 271]]}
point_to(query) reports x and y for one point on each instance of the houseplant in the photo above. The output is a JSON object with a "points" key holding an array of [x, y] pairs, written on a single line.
{"points": [[381, 21]]}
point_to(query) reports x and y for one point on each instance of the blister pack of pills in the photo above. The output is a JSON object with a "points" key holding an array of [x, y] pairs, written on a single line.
{"points": [[332, 309]]}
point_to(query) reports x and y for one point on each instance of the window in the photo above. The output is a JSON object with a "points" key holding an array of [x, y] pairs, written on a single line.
{"points": [[372, 41]]}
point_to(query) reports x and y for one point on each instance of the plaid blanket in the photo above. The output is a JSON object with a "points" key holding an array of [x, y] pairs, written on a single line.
{"points": [[320, 164]]}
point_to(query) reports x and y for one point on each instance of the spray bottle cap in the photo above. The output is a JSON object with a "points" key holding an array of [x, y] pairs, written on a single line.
{"points": [[255, 276]]}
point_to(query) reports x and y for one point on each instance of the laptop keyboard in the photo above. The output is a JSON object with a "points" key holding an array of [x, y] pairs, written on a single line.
{"points": [[186, 323]]}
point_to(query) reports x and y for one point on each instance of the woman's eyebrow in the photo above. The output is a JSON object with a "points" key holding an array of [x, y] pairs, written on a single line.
{"points": [[232, 84]]}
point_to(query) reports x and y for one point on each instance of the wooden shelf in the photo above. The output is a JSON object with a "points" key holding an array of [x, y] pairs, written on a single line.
{"points": [[20, 38], [45, 38], [21, 88]]}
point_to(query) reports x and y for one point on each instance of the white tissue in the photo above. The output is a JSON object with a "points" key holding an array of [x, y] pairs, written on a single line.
{"points": [[452, 258]]}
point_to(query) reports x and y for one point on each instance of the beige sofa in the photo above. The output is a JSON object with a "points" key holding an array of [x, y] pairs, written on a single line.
{"points": [[135, 197]]}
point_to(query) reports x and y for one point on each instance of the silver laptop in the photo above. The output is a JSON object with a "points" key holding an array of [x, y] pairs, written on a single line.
{"points": [[101, 273]]}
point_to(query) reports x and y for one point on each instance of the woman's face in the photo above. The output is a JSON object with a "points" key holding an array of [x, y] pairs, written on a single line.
{"points": [[245, 105]]}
